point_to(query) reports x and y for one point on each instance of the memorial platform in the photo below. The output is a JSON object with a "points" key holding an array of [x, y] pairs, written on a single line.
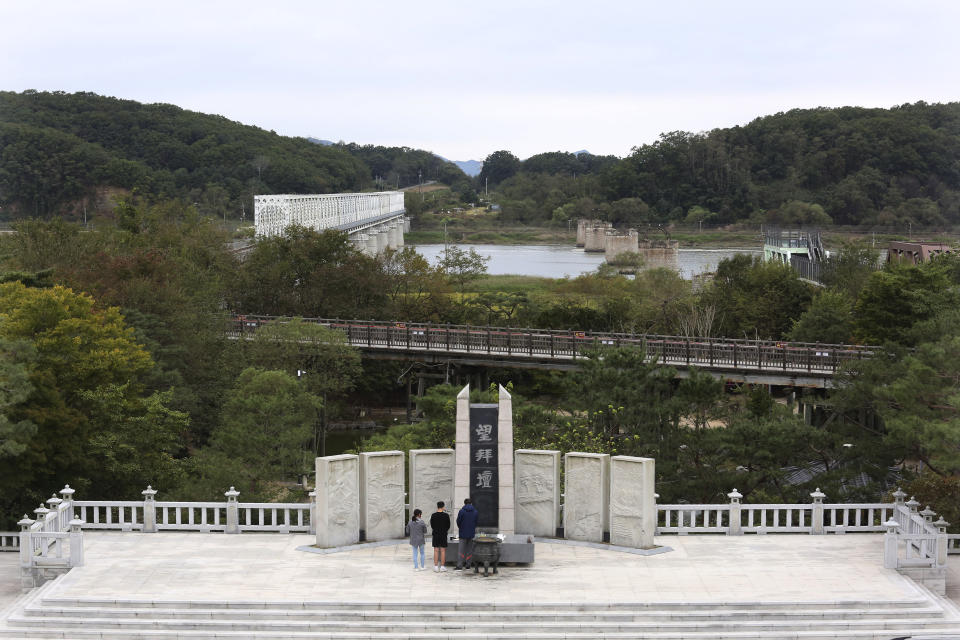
{"points": [[196, 585]]}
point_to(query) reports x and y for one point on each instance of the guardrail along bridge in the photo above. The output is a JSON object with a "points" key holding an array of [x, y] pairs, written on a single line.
{"points": [[794, 364]]}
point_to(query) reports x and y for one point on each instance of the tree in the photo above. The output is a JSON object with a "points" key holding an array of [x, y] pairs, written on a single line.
{"points": [[461, 266], [828, 319], [756, 299], [264, 435], [87, 378], [900, 296], [15, 387], [497, 167]]}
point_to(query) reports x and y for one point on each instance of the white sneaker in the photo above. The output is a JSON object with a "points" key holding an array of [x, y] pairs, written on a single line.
{"points": [[443, 568], [435, 568]]}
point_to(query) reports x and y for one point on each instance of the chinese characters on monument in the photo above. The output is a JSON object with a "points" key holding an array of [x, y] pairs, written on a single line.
{"points": [[484, 485]]}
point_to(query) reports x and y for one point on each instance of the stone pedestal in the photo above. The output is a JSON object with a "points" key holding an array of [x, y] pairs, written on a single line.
{"points": [[537, 492], [338, 501], [585, 505], [431, 479], [633, 509], [382, 514]]}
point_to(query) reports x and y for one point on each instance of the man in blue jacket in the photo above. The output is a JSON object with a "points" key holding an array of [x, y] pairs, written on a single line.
{"points": [[467, 529]]}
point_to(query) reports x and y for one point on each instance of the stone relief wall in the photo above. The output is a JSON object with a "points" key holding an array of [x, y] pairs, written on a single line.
{"points": [[431, 479], [585, 503], [632, 506], [537, 491], [382, 495], [338, 501]]}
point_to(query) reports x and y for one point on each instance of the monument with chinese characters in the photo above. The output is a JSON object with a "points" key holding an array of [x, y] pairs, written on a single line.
{"points": [[484, 460]]}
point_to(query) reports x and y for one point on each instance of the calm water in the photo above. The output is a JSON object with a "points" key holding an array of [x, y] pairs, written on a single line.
{"points": [[558, 261]]}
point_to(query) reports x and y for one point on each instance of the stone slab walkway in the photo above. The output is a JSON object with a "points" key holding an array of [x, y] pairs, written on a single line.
{"points": [[794, 568], [9, 578]]}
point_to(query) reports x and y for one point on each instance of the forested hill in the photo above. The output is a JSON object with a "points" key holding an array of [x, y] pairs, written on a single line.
{"points": [[60, 152], [861, 166]]}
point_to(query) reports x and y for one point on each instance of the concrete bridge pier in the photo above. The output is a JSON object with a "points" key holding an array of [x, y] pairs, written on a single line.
{"points": [[383, 239], [359, 241], [396, 235], [371, 243]]}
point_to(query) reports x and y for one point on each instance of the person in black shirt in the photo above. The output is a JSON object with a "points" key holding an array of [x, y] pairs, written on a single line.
{"points": [[440, 525]]}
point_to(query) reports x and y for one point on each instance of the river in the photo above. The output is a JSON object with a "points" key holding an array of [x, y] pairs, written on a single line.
{"points": [[558, 261]]}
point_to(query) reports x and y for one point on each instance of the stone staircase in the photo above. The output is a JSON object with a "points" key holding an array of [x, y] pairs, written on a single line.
{"points": [[44, 614]]}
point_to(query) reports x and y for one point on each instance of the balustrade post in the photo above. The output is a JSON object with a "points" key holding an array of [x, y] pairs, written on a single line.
{"points": [[66, 494], [41, 515], [53, 503], [26, 553], [912, 504], [149, 510], [76, 543], [890, 544], [734, 526], [816, 518], [313, 512], [941, 526], [898, 496], [233, 511]]}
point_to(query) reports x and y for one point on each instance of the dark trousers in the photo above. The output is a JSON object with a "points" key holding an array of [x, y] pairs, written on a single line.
{"points": [[465, 547]]}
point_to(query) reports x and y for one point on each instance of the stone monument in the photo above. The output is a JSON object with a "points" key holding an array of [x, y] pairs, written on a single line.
{"points": [[431, 480], [382, 514], [585, 508], [633, 510], [537, 491], [338, 501], [484, 460]]}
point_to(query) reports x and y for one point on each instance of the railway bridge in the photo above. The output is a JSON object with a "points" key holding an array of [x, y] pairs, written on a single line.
{"points": [[374, 221], [787, 364]]}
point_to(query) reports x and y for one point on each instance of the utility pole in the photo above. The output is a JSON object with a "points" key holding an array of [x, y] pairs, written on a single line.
{"points": [[486, 186], [420, 183]]}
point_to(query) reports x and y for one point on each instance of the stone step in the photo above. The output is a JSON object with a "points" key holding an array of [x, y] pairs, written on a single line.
{"points": [[492, 607], [861, 634], [529, 617], [517, 629]]}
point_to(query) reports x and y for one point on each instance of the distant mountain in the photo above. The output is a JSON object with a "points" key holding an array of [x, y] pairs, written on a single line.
{"points": [[325, 143], [582, 151], [470, 167]]}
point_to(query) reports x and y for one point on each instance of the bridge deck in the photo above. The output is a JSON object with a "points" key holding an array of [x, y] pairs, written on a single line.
{"points": [[748, 360]]}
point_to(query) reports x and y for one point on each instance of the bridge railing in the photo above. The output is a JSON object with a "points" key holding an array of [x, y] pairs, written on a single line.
{"points": [[715, 353]]}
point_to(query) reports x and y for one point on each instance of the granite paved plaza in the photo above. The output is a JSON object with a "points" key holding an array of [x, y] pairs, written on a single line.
{"points": [[700, 568]]}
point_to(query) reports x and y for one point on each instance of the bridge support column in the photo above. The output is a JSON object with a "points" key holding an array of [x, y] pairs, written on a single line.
{"points": [[383, 239], [359, 241], [371, 242], [396, 233]]}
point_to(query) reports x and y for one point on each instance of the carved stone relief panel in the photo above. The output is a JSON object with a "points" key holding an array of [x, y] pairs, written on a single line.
{"points": [[431, 479], [338, 501], [382, 495], [585, 496], [537, 503], [632, 504]]}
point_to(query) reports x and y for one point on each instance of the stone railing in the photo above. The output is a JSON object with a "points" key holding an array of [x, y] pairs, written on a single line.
{"points": [[231, 516], [51, 542], [736, 518], [9, 541]]}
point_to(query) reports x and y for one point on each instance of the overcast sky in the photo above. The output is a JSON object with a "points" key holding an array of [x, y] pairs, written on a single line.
{"points": [[466, 79]]}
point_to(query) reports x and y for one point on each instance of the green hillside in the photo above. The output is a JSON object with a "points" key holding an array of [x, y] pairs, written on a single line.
{"points": [[886, 167], [59, 152]]}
